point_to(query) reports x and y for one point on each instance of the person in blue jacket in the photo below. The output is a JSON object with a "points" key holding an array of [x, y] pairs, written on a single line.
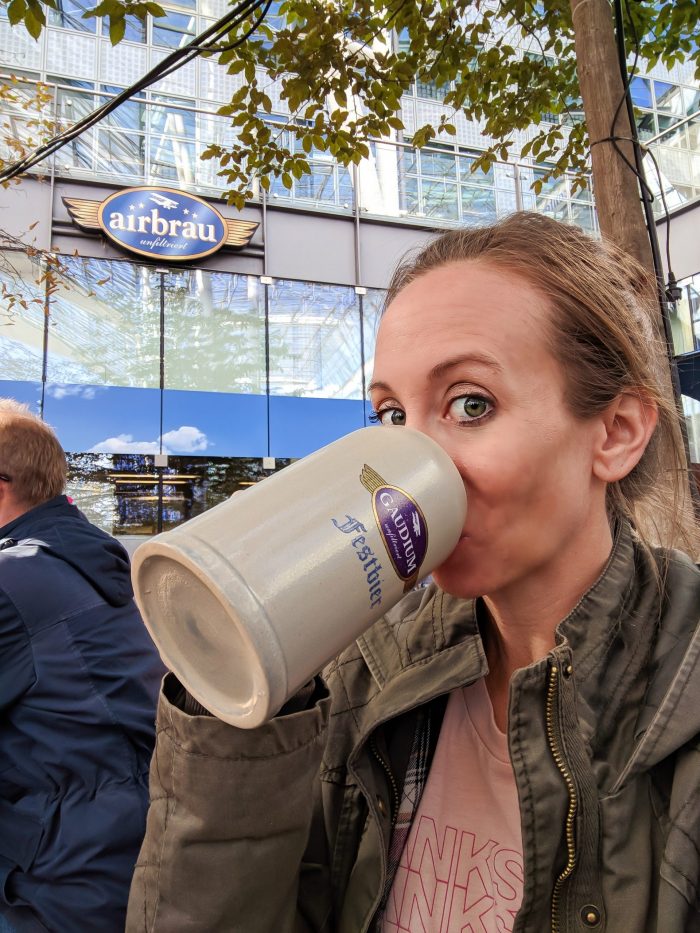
{"points": [[79, 678]]}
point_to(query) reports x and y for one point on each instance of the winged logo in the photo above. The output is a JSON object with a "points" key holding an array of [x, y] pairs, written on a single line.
{"points": [[161, 223]]}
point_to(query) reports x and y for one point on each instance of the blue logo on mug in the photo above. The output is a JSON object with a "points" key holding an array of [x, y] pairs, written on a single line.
{"points": [[401, 525], [162, 222]]}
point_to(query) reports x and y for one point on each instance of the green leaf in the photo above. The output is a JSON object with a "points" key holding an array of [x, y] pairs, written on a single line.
{"points": [[117, 28], [287, 180], [16, 11], [32, 24]]}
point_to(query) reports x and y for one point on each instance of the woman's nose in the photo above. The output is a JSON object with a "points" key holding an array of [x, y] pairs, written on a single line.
{"points": [[429, 426]]}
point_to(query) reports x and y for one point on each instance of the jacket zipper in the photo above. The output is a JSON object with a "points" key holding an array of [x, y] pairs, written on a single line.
{"points": [[392, 781], [561, 763]]}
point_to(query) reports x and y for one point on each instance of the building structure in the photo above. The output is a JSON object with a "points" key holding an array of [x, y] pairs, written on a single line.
{"points": [[172, 384]]}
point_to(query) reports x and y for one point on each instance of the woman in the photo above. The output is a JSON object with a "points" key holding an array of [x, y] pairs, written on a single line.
{"points": [[515, 747]]}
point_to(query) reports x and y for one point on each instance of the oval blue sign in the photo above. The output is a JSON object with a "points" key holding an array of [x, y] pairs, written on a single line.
{"points": [[162, 222]]}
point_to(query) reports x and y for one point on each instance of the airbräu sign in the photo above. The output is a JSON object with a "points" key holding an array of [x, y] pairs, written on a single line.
{"points": [[161, 222]]}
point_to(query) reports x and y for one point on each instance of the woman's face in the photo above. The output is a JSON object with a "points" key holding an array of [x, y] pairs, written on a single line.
{"points": [[462, 356]]}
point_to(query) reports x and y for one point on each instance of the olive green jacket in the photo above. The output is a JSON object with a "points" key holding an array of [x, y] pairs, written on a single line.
{"points": [[286, 828]]}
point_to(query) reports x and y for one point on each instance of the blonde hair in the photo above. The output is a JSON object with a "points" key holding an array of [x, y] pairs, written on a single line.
{"points": [[30, 454], [605, 335]]}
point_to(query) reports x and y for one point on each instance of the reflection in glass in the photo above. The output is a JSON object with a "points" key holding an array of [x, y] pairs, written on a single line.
{"points": [[646, 125], [669, 97], [173, 30], [172, 160], [372, 305], [69, 15], [214, 332], [166, 117], [131, 115], [21, 320], [478, 205], [124, 493], [640, 89], [120, 153], [105, 325], [314, 340]]}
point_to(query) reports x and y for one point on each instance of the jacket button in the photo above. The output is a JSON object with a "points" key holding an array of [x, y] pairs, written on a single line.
{"points": [[590, 915], [381, 806]]}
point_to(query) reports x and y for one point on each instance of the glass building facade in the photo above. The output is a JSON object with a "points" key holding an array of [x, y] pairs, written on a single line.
{"points": [[231, 369], [215, 370]]}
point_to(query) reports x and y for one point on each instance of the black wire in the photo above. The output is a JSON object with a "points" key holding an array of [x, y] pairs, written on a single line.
{"points": [[205, 42], [651, 229], [233, 45], [647, 194]]}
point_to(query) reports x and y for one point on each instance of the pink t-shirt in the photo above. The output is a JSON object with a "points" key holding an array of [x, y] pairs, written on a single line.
{"points": [[461, 870]]}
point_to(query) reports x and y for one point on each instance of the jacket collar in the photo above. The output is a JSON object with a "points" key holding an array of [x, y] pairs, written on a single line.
{"points": [[635, 650]]}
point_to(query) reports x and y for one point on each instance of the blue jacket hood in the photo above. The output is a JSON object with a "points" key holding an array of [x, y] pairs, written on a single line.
{"points": [[60, 528]]}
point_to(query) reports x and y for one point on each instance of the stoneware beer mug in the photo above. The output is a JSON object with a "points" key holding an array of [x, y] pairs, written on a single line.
{"points": [[249, 600]]}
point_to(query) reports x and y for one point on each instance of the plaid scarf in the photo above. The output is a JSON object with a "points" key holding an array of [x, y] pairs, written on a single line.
{"points": [[414, 783]]}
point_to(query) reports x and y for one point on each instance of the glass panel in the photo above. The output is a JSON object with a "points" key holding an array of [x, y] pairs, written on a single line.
{"points": [[135, 29], [557, 208], [552, 187], [319, 185], [431, 90], [478, 205], [173, 30], [299, 426], [220, 424], [172, 160], [685, 317], [314, 340], [120, 492], [165, 117], [120, 153], [69, 15], [691, 100], [105, 325], [214, 332], [665, 123], [104, 419], [479, 177], [21, 318], [74, 103], [28, 393], [646, 125], [439, 164], [440, 200], [372, 305], [640, 89], [668, 97], [410, 196], [79, 153], [583, 216], [691, 407], [131, 115]]}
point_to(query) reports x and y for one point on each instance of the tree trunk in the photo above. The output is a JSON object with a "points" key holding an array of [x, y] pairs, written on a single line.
{"points": [[616, 187], [617, 193]]}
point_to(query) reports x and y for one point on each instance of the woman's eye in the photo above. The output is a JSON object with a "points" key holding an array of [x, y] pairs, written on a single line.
{"points": [[468, 408], [389, 416]]}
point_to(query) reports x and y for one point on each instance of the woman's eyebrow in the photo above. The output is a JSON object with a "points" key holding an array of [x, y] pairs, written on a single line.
{"points": [[378, 385], [480, 359], [437, 371]]}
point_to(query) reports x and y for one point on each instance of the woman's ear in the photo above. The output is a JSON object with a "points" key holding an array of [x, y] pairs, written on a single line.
{"points": [[627, 425]]}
